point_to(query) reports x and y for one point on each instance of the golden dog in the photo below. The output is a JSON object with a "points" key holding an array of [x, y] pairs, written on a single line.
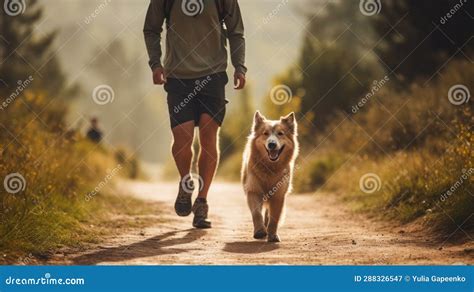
{"points": [[267, 170]]}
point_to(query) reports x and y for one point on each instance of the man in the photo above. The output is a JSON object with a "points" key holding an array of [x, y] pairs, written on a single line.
{"points": [[194, 76], [94, 133]]}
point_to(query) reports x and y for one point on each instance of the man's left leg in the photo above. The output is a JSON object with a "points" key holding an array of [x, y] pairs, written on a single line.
{"points": [[208, 161], [209, 154]]}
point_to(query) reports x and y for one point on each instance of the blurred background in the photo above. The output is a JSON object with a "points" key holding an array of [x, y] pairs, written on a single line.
{"points": [[381, 88], [101, 43]]}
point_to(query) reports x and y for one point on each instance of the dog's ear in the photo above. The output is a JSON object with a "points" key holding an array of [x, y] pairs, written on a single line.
{"points": [[290, 122], [258, 120]]}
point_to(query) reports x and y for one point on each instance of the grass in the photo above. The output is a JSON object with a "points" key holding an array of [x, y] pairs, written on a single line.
{"points": [[48, 204], [411, 187], [74, 224], [418, 166], [317, 171]]}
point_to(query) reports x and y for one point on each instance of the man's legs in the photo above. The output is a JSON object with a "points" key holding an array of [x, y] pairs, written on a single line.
{"points": [[182, 149], [183, 154], [209, 154], [208, 160]]}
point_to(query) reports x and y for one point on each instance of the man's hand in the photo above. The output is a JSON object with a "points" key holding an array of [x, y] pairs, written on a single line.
{"points": [[159, 77], [239, 81]]}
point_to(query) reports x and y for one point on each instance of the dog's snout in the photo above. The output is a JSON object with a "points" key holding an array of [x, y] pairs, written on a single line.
{"points": [[272, 145]]}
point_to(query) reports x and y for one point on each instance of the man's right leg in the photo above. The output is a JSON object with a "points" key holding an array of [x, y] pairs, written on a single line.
{"points": [[182, 150]]}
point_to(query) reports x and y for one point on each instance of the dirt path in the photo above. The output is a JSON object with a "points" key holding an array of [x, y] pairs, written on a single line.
{"points": [[317, 231]]}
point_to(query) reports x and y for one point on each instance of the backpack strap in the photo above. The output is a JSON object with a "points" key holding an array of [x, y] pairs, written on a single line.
{"points": [[222, 10]]}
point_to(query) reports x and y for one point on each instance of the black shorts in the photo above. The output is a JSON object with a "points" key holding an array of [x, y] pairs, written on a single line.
{"points": [[188, 99]]}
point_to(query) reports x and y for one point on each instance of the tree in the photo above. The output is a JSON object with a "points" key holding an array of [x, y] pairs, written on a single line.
{"points": [[336, 65], [23, 53], [418, 37]]}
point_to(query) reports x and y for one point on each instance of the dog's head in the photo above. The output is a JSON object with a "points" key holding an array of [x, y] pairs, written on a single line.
{"points": [[275, 140]]}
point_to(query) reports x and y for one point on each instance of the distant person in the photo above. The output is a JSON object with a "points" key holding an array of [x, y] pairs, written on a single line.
{"points": [[94, 133], [194, 75]]}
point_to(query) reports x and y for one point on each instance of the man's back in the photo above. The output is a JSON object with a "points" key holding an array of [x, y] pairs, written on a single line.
{"points": [[196, 40]]}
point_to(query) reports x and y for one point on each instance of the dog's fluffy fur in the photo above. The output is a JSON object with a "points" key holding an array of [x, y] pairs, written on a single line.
{"points": [[267, 171]]}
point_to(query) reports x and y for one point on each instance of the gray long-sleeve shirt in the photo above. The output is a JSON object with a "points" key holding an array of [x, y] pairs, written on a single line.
{"points": [[196, 45]]}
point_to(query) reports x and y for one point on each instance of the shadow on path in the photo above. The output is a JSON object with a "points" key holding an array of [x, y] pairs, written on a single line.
{"points": [[154, 246], [250, 247]]}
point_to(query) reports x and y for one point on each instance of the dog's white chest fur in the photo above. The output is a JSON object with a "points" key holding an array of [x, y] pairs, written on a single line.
{"points": [[268, 186]]}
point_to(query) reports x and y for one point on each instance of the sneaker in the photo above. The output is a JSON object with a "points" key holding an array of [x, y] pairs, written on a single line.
{"points": [[183, 203], [200, 210]]}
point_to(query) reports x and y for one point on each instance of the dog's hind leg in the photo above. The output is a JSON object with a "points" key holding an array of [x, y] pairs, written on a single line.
{"points": [[267, 217], [255, 203], [276, 206]]}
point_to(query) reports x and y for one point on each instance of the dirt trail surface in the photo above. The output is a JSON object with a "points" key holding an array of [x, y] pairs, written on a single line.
{"points": [[317, 230]]}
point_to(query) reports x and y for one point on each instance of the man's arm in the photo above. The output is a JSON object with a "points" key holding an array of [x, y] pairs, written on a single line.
{"points": [[235, 30], [152, 30]]}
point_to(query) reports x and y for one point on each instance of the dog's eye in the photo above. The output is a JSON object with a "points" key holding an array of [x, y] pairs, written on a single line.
{"points": [[281, 133], [266, 133]]}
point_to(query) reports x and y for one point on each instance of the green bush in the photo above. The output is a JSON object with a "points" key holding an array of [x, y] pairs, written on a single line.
{"points": [[315, 172]]}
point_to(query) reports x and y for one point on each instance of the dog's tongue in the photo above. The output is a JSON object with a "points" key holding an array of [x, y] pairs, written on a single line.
{"points": [[273, 154]]}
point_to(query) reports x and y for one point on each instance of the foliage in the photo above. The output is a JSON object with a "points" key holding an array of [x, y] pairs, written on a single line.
{"points": [[328, 76], [25, 53], [64, 178], [417, 37], [416, 142], [317, 170]]}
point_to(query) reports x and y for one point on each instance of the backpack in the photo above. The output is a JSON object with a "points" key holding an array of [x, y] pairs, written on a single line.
{"points": [[220, 5]]}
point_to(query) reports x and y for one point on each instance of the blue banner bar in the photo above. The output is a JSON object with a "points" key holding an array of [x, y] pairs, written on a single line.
{"points": [[237, 278]]}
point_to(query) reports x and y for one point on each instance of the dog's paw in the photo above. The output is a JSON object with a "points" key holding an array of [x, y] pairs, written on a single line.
{"points": [[273, 238], [260, 234]]}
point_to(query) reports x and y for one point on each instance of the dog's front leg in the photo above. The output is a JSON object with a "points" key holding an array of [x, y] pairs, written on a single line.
{"points": [[276, 206], [255, 203]]}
